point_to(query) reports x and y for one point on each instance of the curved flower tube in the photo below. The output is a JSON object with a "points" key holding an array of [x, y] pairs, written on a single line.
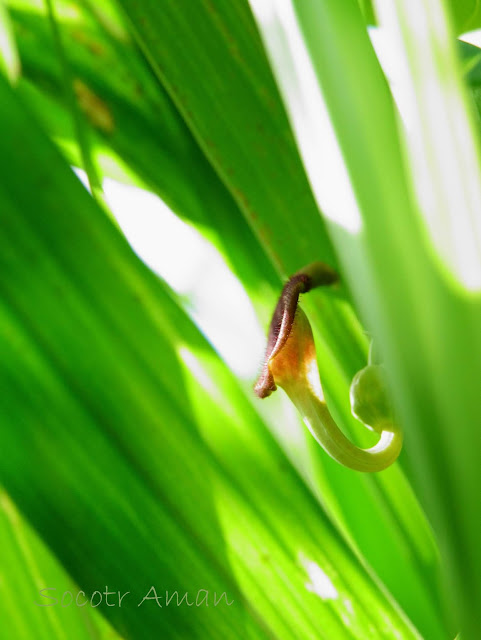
{"points": [[291, 363]]}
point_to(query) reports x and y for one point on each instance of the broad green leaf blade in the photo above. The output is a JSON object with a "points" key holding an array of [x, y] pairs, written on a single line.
{"points": [[426, 324], [114, 451], [27, 566]]}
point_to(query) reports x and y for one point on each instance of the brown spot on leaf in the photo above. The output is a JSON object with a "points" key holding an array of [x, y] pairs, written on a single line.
{"points": [[94, 108]]}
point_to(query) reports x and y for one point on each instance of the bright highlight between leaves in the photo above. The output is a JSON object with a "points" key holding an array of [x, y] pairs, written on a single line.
{"points": [[290, 362]]}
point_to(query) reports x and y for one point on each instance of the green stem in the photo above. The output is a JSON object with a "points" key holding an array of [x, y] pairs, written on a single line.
{"points": [[321, 424]]}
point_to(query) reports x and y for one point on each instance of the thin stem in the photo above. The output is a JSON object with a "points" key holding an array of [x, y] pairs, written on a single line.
{"points": [[321, 424]]}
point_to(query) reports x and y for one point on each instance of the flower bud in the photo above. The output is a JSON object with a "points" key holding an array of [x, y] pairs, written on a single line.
{"points": [[369, 396]]}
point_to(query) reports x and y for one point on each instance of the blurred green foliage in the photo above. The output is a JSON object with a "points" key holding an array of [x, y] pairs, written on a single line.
{"points": [[134, 468]]}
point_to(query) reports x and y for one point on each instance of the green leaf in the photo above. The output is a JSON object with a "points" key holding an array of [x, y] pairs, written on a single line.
{"points": [[130, 447], [27, 567], [200, 46], [410, 291]]}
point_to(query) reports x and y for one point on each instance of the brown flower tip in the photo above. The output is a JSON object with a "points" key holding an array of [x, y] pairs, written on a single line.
{"points": [[314, 275]]}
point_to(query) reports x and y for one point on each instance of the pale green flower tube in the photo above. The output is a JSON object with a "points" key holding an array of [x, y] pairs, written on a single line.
{"points": [[321, 424]]}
